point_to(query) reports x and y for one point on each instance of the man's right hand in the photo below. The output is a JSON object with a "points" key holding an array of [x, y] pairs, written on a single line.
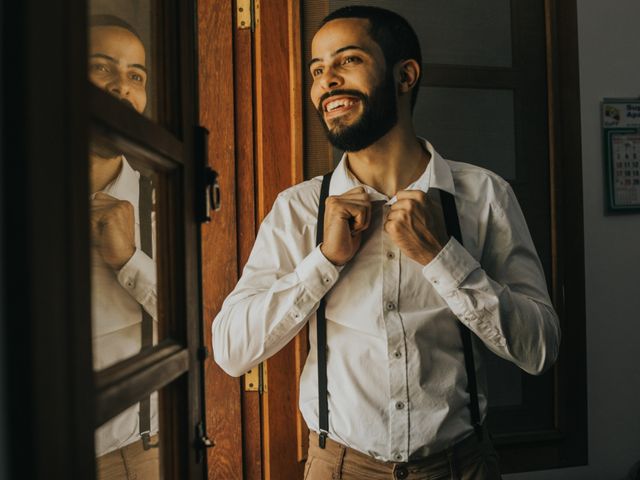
{"points": [[346, 216], [113, 229]]}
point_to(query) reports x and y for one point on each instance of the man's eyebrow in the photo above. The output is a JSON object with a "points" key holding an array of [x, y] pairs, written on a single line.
{"points": [[106, 57], [340, 50], [111, 59], [137, 65]]}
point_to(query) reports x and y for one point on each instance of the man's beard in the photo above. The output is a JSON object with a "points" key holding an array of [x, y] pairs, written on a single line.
{"points": [[379, 115]]}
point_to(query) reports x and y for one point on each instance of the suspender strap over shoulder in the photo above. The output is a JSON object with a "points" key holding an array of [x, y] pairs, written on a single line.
{"points": [[145, 209], [321, 328], [452, 224]]}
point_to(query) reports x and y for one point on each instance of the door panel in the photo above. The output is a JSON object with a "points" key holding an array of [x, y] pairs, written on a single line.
{"points": [[223, 399]]}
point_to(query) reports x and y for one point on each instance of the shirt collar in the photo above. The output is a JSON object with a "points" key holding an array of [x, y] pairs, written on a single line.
{"points": [[437, 175], [126, 185]]}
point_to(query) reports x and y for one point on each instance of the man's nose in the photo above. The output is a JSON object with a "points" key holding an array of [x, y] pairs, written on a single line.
{"points": [[330, 79], [119, 85]]}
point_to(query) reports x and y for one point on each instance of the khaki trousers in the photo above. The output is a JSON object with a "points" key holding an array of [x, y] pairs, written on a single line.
{"points": [[469, 459], [132, 462]]}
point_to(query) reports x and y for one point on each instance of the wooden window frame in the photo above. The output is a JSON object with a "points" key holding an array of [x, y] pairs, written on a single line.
{"points": [[56, 400]]}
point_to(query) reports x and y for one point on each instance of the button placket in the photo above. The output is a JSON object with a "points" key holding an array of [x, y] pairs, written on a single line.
{"points": [[399, 431]]}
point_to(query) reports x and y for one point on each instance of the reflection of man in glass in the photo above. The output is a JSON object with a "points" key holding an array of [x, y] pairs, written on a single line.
{"points": [[123, 272]]}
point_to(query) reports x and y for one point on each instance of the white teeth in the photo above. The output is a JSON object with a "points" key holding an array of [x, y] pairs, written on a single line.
{"points": [[343, 102]]}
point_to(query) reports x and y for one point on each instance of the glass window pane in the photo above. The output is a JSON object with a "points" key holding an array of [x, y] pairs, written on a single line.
{"points": [[470, 125], [127, 196], [455, 32], [120, 52], [504, 381], [128, 445]]}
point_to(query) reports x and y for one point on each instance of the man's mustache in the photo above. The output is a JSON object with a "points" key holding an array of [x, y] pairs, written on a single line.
{"points": [[334, 93]]}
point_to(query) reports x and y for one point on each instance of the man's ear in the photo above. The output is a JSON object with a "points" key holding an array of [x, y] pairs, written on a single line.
{"points": [[409, 73]]}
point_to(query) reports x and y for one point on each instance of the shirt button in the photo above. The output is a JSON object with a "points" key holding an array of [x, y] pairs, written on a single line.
{"points": [[399, 405], [391, 255], [326, 279], [130, 283], [435, 281], [397, 354], [398, 457], [391, 306]]}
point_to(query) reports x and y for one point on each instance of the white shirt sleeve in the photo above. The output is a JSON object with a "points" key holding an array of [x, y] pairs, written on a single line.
{"points": [[280, 287], [504, 301], [138, 277]]}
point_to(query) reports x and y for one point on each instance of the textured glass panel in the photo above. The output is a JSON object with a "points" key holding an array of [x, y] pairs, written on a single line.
{"points": [[470, 125], [120, 51], [504, 381], [128, 446], [455, 32], [128, 195]]}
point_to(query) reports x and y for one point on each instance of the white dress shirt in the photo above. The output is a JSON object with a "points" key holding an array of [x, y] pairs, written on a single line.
{"points": [[117, 299], [396, 375]]}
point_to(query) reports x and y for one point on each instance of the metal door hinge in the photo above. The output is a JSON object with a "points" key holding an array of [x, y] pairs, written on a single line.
{"points": [[255, 380], [247, 14]]}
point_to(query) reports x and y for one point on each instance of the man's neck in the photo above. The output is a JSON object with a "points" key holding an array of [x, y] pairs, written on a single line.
{"points": [[392, 163], [103, 171]]}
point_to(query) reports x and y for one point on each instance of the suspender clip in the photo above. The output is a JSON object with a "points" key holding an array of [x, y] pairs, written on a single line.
{"points": [[146, 441], [322, 439]]}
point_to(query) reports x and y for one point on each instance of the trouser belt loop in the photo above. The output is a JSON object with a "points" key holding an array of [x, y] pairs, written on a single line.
{"points": [[337, 471]]}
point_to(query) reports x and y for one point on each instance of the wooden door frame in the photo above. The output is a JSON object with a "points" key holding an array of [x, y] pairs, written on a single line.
{"points": [[255, 145]]}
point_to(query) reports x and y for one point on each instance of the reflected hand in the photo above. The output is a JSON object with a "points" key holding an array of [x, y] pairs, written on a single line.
{"points": [[113, 229], [416, 225], [346, 216]]}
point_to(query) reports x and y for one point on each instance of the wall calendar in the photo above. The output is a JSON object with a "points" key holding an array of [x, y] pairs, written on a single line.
{"points": [[621, 141]]}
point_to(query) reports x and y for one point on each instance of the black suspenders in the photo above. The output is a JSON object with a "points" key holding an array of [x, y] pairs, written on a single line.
{"points": [[453, 229], [145, 208], [321, 328]]}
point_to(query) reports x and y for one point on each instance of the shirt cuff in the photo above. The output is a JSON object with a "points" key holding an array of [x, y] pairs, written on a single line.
{"points": [[138, 276], [450, 267], [317, 273]]}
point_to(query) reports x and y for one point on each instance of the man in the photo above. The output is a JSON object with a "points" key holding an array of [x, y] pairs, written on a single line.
{"points": [[123, 272], [400, 292]]}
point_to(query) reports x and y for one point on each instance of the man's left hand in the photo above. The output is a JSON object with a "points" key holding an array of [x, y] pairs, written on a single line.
{"points": [[416, 224]]}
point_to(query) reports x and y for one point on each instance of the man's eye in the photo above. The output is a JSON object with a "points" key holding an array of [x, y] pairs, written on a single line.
{"points": [[136, 77], [316, 71], [99, 67], [350, 60]]}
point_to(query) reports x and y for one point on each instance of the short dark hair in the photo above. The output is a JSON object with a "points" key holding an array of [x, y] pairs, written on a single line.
{"points": [[396, 38], [112, 21]]}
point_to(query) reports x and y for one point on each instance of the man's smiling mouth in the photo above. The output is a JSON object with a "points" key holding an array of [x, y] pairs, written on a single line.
{"points": [[337, 105]]}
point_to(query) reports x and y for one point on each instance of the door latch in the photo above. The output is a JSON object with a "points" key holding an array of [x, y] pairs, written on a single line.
{"points": [[208, 189]]}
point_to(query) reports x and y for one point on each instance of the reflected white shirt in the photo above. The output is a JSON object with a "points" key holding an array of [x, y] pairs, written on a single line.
{"points": [[395, 367], [116, 316]]}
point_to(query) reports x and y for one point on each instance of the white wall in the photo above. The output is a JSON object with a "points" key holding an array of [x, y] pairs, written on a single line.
{"points": [[609, 42]]}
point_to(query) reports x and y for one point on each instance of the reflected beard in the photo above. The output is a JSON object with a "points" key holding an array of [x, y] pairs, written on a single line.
{"points": [[379, 115]]}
